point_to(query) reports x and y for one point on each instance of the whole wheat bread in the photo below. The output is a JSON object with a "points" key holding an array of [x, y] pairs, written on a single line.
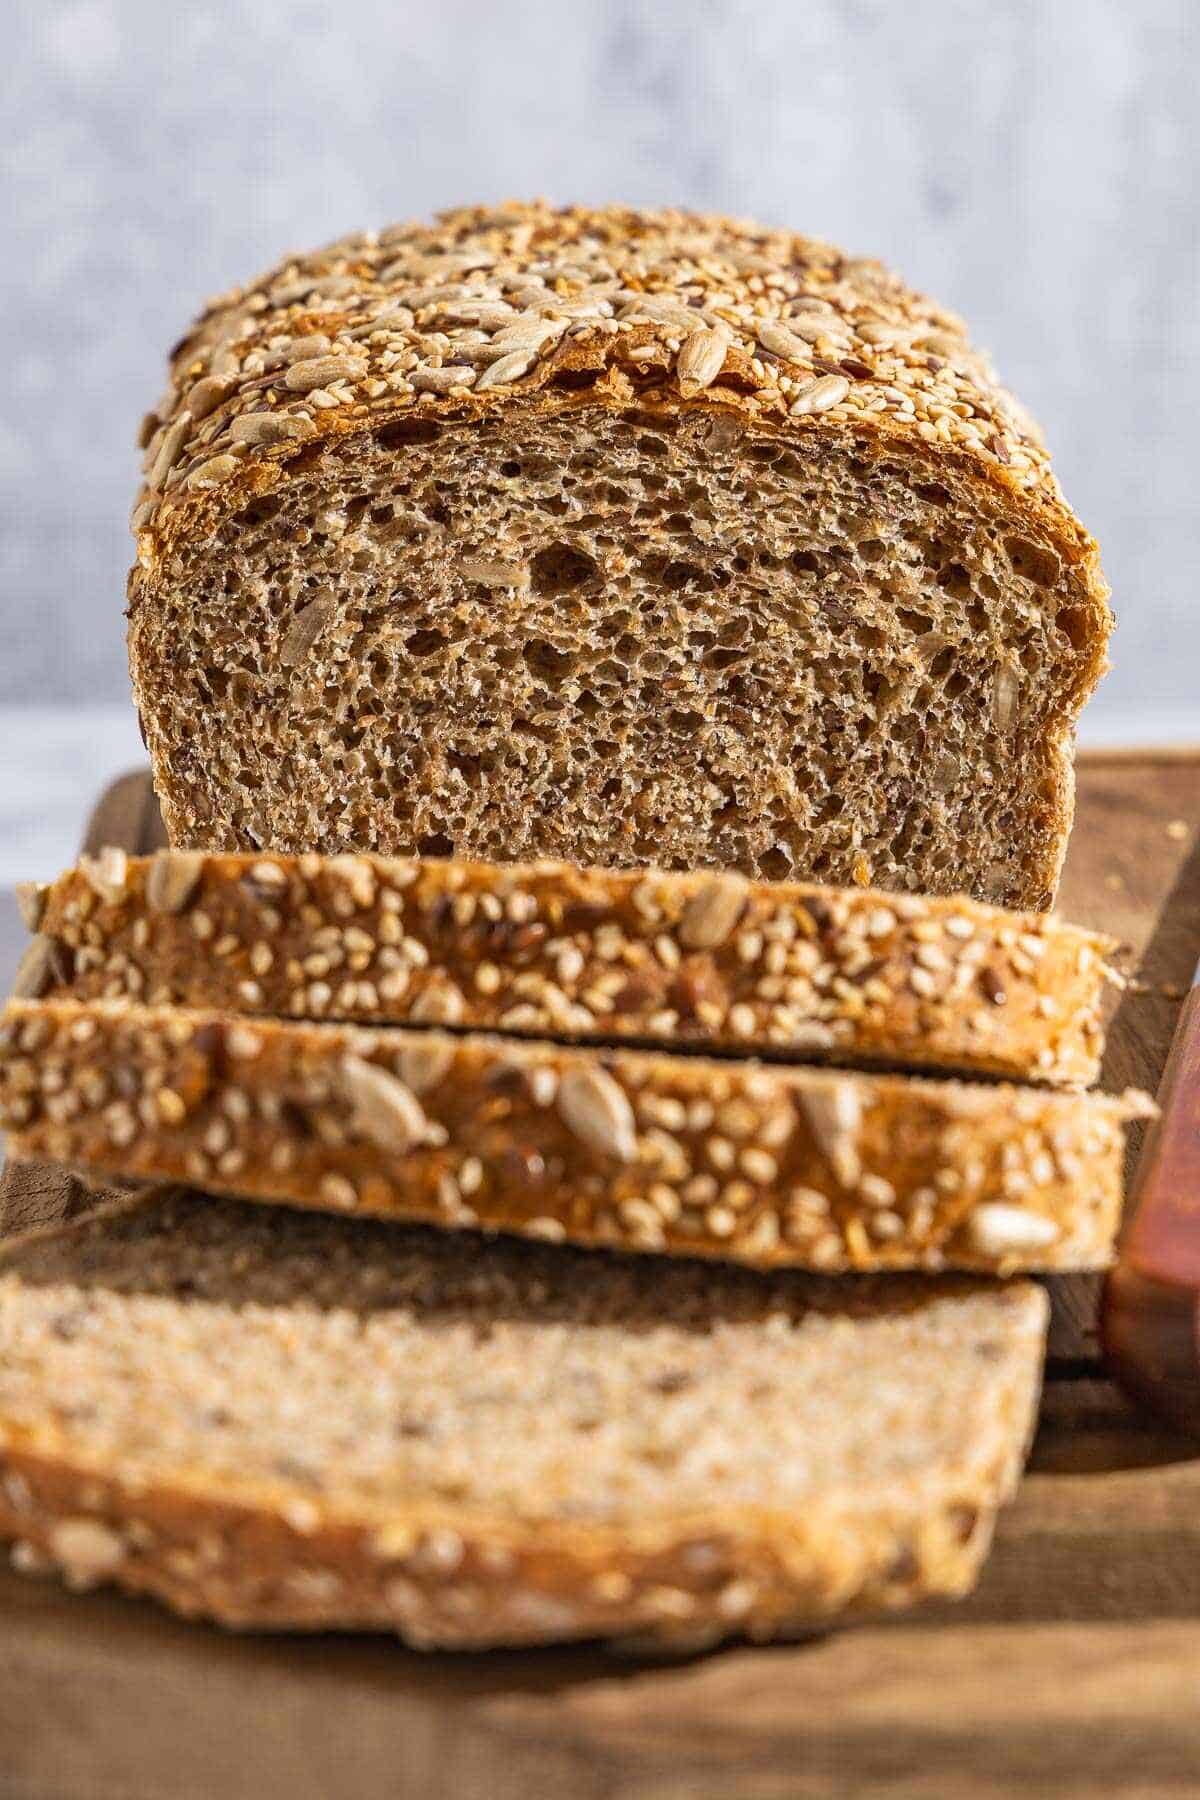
{"points": [[296, 1421], [642, 1149], [547, 949], [621, 537]]}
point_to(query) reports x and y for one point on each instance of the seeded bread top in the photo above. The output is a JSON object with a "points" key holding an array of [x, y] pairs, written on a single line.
{"points": [[566, 307], [551, 949], [650, 1150]]}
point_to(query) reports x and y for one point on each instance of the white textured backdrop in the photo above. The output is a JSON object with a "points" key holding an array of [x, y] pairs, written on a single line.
{"points": [[1034, 163]]}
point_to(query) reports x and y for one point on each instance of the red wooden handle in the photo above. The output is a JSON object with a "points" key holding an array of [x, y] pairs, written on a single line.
{"points": [[1150, 1313]]}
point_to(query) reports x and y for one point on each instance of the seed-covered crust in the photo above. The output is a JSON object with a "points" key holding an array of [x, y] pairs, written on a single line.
{"points": [[298, 1421], [644, 1150], [613, 536], [517, 301], [583, 954]]}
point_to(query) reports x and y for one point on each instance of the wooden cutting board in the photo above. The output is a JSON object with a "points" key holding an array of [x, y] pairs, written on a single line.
{"points": [[1074, 1669]]}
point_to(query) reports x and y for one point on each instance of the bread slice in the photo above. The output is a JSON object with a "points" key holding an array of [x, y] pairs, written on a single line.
{"points": [[615, 536], [298, 1421], [641, 1149], [546, 949]]}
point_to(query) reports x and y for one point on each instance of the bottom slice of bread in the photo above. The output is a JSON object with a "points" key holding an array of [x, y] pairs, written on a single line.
{"points": [[279, 1419]]}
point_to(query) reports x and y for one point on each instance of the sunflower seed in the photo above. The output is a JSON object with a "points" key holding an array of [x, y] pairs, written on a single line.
{"points": [[834, 1115], [106, 874], [212, 473], [173, 879], [206, 395], [649, 309], [385, 1108], [884, 337], [701, 360], [712, 912], [425, 1062], [943, 343], [440, 381], [812, 327], [509, 368], [597, 1110], [811, 303], [152, 448], [431, 294], [270, 428], [781, 342], [319, 371], [999, 1230], [303, 349], [488, 315], [528, 334], [306, 628], [40, 965], [168, 450], [333, 287], [819, 396], [31, 902]]}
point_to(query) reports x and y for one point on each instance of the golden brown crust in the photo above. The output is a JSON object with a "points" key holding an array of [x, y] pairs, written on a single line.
{"points": [[644, 1150], [587, 955], [441, 1580], [632, 290]]}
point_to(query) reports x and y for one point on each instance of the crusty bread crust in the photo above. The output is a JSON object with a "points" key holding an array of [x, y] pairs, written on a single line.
{"points": [[367, 276], [644, 1150], [844, 975], [309, 1549], [674, 318]]}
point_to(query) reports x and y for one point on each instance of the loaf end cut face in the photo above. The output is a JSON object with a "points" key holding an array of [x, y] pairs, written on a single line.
{"points": [[302, 1422], [617, 537]]}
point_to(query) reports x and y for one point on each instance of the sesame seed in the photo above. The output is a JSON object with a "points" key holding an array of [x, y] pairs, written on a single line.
{"points": [[170, 1106], [758, 1165], [720, 1221]]}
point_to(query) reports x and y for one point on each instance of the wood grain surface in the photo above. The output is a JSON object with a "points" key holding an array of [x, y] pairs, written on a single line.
{"points": [[1073, 1670]]}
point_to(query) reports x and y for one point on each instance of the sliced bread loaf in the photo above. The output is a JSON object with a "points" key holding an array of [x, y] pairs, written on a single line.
{"points": [[643, 1149], [618, 536], [295, 1421], [545, 949]]}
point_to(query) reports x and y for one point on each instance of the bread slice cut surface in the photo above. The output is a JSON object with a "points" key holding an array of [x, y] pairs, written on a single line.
{"points": [[296, 1421], [641, 1149], [548, 949], [617, 537]]}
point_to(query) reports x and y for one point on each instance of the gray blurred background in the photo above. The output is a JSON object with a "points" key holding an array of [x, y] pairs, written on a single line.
{"points": [[1032, 162]]}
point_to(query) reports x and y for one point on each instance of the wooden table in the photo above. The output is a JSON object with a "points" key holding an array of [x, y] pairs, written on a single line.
{"points": [[1074, 1670]]}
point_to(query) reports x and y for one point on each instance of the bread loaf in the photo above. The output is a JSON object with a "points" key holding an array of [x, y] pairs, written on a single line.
{"points": [[296, 1421], [545, 949], [644, 1150], [620, 537]]}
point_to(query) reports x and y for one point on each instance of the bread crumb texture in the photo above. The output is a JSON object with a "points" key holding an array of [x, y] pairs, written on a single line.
{"points": [[300, 1421], [623, 537]]}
